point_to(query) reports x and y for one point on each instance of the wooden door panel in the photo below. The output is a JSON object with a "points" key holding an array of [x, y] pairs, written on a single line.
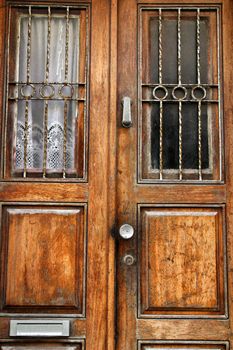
{"points": [[181, 262], [147, 345], [44, 253], [53, 345]]}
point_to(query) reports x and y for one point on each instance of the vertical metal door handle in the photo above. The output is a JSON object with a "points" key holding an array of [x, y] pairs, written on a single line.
{"points": [[126, 116]]}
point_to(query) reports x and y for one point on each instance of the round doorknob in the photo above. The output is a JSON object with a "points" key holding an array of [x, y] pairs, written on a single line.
{"points": [[126, 231]]}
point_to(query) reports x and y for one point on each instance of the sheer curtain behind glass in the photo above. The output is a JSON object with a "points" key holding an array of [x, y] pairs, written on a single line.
{"points": [[55, 129]]}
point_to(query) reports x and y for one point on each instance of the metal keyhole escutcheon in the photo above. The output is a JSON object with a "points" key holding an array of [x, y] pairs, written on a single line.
{"points": [[128, 259]]}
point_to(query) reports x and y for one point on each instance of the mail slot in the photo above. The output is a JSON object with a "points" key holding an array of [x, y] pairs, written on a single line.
{"points": [[39, 328]]}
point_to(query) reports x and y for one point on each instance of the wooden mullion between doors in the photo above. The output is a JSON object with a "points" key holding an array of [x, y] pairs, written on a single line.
{"points": [[112, 155], [98, 230], [126, 173]]}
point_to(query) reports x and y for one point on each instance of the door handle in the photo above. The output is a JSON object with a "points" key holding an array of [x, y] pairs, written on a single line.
{"points": [[126, 231], [126, 115]]}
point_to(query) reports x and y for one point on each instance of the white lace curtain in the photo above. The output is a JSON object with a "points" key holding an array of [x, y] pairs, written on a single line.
{"points": [[55, 108]]}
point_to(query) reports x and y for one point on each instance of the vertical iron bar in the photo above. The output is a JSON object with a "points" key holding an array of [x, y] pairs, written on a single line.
{"points": [[48, 46], [199, 141], [161, 140], [65, 137], [179, 83], [160, 49], [46, 102], [179, 47], [25, 137], [45, 138], [27, 99], [199, 102], [161, 102], [66, 81], [180, 140], [67, 43], [198, 48], [29, 43]]}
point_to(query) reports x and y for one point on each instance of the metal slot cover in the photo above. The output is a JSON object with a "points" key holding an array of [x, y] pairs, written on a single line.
{"points": [[39, 328]]}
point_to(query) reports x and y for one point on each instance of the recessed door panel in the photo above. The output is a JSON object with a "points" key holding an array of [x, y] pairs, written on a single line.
{"points": [[52, 345], [147, 345], [181, 262], [44, 255]]}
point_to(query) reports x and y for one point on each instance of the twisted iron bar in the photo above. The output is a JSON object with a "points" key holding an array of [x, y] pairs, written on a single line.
{"points": [[46, 102], [160, 49], [161, 140], [198, 49], [66, 80], [27, 99], [180, 141], [199, 102], [179, 83], [161, 103]]}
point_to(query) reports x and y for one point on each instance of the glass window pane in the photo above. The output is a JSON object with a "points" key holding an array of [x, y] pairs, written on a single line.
{"points": [[180, 94], [47, 91]]}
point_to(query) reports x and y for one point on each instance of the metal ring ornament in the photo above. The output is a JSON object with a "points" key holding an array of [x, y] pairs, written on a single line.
{"points": [[42, 90], [161, 87], [200, 88], [22, 92], [180, 87], [61, 93]]}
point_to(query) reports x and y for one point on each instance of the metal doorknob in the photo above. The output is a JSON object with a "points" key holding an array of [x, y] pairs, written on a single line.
{"points": [[126, 231]]}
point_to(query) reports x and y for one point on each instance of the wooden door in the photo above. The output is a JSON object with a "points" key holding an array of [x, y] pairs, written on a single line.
{"points": [[174, 182], [54, 175], [72, 175]]}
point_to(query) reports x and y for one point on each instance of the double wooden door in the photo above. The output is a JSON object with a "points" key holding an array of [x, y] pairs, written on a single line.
{"points": [[116, 175]]}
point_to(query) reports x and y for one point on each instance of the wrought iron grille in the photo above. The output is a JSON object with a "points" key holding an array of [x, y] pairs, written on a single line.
{"points": [[43, 143], [202, 92]]}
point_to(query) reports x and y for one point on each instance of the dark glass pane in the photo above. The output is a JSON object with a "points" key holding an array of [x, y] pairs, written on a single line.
{"points": [[170, 76]]}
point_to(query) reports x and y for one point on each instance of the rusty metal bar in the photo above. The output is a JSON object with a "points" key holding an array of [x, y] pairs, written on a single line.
{"points": [[161, 140], [67, 43], [179, 46], [65, 137], [198, 49], [199, 142], [66, 100], [180, 141], [179, 83], [160, 49], [46, 102], [27, 99], [199, 101], [161, 102]]}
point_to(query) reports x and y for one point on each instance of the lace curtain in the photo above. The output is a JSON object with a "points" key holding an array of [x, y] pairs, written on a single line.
{"points": [[55, 130]]}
